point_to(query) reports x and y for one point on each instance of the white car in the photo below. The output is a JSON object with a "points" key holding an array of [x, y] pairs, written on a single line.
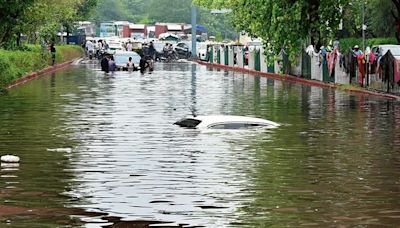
{"points": [[383, 49], [121, 58], [225, 122], [115, 46]]}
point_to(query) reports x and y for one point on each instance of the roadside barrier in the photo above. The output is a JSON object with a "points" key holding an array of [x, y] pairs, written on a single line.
{"points": [[332, 67]]}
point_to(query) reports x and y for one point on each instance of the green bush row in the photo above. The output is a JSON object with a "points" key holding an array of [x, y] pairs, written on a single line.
{"points": [[15, 64], [346, 44]]}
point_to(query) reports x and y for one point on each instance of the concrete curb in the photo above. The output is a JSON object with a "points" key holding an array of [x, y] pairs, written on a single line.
{"points": [[34, 75], [284, 77]]}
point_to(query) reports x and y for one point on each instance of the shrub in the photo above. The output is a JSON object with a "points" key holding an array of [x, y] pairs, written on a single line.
{"points": [[17, 63], [346, 44]]}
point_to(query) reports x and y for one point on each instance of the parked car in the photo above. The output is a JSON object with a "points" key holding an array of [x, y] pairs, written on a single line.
{"points": [[183, 50], [115, 46], [225, 122], [122, 57], [383, 49]]}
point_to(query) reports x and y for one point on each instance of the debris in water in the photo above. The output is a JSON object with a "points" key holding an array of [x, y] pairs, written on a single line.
{"points": [[67, 150], [10, 158]]}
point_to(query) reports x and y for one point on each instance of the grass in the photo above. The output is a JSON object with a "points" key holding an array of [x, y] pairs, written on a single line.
{"points": [[15, 64], [346, 44], [346, 87]]}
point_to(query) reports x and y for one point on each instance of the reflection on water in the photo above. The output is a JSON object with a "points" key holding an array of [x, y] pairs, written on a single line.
{"points": [[105, 151]]}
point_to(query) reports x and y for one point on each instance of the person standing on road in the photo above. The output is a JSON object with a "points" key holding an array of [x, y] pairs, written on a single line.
{"points": [[104, 64], [89, 49], [130, 65], [111, 65], [129, 46], [143, 64], [152, 51], [53, 53]]}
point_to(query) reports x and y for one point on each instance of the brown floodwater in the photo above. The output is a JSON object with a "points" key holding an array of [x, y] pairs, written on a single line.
{"points": [[103, 152]]}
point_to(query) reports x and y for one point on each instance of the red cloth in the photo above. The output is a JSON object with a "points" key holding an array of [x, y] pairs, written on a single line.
{"points": [[397, 71], [331, 61], [372, 58], [361, 69]]}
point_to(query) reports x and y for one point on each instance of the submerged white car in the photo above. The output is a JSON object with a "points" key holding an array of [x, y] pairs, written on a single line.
{"points": [[225, 122]]}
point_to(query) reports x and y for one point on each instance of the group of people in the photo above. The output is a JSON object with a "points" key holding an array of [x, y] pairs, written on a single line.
{"points": [[94, 48], [169, 52], [148, 56], [108, 64]]}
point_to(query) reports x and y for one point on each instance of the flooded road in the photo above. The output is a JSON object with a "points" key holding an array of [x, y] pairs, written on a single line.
{"points": [[99, 151]]}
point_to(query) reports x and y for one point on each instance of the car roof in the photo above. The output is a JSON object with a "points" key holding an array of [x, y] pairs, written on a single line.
{"points": [[207, 120], [386, 47], [120, 52]]}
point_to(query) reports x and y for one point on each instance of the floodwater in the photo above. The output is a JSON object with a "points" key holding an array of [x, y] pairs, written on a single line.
{"points": [[103, 152]]}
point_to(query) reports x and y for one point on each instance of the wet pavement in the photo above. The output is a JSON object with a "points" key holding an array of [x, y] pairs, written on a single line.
{"points": [[103, 152]]}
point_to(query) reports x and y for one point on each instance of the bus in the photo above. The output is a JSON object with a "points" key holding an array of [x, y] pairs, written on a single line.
{"points": [[108, 29]]}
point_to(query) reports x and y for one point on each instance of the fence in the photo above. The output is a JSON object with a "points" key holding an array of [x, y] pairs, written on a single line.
{"points": [[325, 66]]}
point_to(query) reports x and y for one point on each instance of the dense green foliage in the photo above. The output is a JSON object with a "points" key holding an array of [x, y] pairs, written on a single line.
{"points": [[14, 64], [285, 24], [152, 11], [143, 11], [11, 11], [38, 17], [293, 24], [347, 43]]}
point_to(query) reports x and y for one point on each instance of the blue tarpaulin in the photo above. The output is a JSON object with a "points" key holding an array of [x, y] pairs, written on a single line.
{"points": [[201, 28]]}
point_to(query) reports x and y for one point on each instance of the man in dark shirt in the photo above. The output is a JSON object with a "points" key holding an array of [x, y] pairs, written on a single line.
{"points": [[53, 54], [143, 64], [104, 64]]}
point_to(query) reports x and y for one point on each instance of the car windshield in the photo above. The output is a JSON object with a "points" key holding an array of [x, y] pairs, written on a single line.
{"points": [[122, 59], [188, 123], [394, 50]]}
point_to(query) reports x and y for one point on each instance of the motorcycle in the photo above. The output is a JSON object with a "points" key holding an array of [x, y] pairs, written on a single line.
{"points": [[90, 54]]}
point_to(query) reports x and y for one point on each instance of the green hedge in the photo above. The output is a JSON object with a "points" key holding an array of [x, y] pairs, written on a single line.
{"points": [[15, 64], [346, 44]]}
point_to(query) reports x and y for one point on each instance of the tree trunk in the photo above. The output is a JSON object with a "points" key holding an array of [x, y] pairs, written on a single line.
{"points": [[396, 16], [18, 39], [67, 27], [314, 30]]}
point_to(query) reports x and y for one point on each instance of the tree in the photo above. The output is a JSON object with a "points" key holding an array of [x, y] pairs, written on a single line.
{"points": [[11, 12], [288, 24], [47, 16], [113, 10], [86, 8], [396, 16], [38, 16], [175, 11]]}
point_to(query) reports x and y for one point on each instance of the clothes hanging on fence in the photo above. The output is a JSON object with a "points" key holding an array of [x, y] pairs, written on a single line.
{"points": [[350, 62], [372, 63], [332, 56], [387, 67], [324, 54], [342, 61], [361, 69], [396, 71], [372, 58]]}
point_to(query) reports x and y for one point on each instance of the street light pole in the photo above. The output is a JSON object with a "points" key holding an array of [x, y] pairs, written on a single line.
{"points": [[194, 31], [363, 24]]}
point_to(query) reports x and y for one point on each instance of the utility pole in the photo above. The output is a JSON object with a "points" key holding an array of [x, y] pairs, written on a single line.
{"points": [[363, 25], [194, 31]]}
